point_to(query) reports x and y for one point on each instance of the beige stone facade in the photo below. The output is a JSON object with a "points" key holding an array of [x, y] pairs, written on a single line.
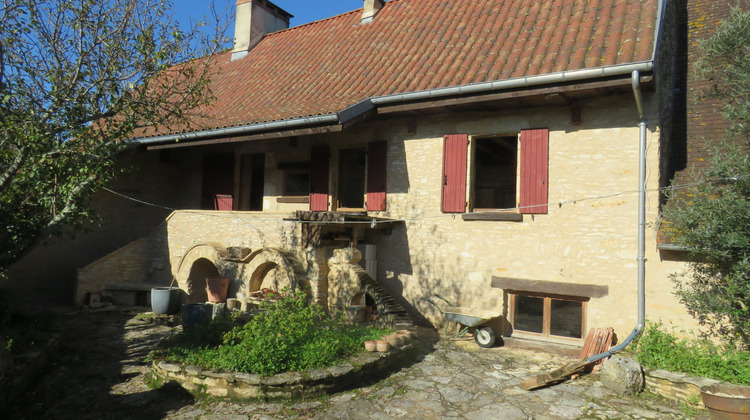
{"points": [[588, 237]]}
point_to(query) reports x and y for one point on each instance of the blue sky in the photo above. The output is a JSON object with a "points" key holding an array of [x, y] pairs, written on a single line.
{"points": [[304, 11]]}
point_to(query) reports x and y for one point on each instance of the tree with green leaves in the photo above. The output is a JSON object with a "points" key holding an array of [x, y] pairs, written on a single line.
{"points": [[713, 218], [77, 77]]}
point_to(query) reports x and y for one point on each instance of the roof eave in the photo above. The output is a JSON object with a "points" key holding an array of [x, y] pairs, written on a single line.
{"points": [[358, 109]]}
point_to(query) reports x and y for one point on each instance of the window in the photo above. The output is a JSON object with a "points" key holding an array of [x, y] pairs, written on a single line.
{"points": [[296, 182], [361, 178], [508, 171], [351, 188], [495, 172], [548, 316]]}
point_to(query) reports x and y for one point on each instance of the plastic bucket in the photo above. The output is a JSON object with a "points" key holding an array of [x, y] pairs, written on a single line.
{"points": [[165, 300], [194, 314]]}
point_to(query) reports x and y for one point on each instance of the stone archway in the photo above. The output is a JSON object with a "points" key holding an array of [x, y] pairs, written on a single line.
{"points": [[276, 269], [198, 263], [196, 281], [273, 268]]}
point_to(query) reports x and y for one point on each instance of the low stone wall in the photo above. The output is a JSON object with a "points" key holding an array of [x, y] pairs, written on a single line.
{"points": [[363, 367], [676, 386]]}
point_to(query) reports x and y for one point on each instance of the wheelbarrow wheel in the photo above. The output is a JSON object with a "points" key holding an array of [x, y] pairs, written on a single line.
{"points": [[484, 336]]}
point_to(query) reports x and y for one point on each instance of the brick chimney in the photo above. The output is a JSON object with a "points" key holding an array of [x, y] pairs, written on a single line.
{"points": [[371, 8], [254, 19]]}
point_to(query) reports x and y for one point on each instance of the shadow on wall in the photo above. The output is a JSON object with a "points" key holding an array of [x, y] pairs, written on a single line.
{"points": [[201, 269], [421, 271]]}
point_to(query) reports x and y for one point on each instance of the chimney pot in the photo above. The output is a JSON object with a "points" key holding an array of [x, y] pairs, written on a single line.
{"points": [[254, 19], [370, 9]]}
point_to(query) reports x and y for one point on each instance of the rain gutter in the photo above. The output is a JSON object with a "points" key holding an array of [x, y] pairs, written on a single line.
{"points": [[518, 82], [241, 130], [641, 257]]}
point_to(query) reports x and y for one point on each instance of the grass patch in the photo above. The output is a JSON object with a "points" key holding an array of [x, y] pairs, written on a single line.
{"points": [[658, 349], [288, 335]]}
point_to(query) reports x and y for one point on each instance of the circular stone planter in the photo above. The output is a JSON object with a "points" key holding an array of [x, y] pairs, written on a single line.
{"points": [[725, 401], [314, 383]]}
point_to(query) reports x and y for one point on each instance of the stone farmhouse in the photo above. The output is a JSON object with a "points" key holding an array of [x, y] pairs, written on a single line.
{"points": [[483, 150]]}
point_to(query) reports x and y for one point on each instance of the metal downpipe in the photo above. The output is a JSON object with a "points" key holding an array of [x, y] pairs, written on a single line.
{"points": [[641, 258]]}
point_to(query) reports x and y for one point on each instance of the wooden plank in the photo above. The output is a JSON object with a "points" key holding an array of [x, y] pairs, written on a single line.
{"points": [[501, 216], [294, 199], [550, 287]]}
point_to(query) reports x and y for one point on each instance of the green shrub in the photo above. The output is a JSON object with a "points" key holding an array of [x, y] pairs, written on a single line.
{"points": [[658, 349], [287, 335]]}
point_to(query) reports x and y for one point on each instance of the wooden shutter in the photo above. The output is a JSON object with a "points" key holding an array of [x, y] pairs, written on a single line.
{"points": [[377, 153], [319, 159], [455, 149], [534, 170]]}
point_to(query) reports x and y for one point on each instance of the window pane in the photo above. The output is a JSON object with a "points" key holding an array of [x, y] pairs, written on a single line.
{"points": [[352, 178], [529, 315], [296, 183], [566, 317], [495, 173]]}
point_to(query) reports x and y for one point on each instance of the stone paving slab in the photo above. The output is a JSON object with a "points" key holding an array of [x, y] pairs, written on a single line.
{"points": [[102, 375]]}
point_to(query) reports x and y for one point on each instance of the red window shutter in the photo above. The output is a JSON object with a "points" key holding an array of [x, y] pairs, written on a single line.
{"points": [[377, 153], [319, 178], [455, 148], [534, 170]]}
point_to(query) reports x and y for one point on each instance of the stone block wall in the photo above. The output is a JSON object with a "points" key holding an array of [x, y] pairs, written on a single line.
{"points": [[127, 265]]}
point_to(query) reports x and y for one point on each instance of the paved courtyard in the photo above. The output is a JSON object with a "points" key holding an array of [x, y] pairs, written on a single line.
{"points": [[101, 374]]}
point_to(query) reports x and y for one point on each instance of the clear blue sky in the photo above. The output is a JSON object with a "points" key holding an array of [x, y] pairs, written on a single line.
{"points": [[304, 11]]}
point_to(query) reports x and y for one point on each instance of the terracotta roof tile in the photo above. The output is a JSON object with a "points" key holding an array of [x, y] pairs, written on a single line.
{"points": [[325, 66]]}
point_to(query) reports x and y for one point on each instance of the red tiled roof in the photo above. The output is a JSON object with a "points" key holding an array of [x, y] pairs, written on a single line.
{"points": [[326, 66]]}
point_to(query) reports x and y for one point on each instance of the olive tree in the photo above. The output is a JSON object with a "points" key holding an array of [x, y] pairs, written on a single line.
{"points": [[713, 217], [77, 77]]}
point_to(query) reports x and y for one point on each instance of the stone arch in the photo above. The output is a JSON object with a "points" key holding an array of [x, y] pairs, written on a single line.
{"points": [[276, 269], [200, 261]]}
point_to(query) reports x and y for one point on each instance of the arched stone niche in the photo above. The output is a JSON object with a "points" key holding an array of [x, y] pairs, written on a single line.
{"points": [[272, 268]]}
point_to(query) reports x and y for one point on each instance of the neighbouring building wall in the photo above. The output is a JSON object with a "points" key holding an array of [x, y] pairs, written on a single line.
{"points": [[47, 275]]}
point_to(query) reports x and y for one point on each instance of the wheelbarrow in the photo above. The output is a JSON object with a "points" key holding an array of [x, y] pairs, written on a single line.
{"points": [[468, 318]]}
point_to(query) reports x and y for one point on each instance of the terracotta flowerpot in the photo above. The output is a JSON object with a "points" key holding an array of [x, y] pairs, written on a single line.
{"points": [[394, 340], [727, 402], [383, 346], [216, 289], [371, 346], [405, 333], [405, 338]]}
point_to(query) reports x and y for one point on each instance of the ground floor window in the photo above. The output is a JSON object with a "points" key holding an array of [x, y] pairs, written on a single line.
{"points": [[548, 316]]}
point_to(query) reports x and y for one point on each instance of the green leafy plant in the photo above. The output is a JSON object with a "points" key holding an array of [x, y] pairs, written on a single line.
{"points": [[712, 219], [287, 335], [658, 349], [78, 78]]}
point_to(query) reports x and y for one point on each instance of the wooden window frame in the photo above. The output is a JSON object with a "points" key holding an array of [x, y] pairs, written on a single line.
{"points": [[472, 184], [547, 317]]}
